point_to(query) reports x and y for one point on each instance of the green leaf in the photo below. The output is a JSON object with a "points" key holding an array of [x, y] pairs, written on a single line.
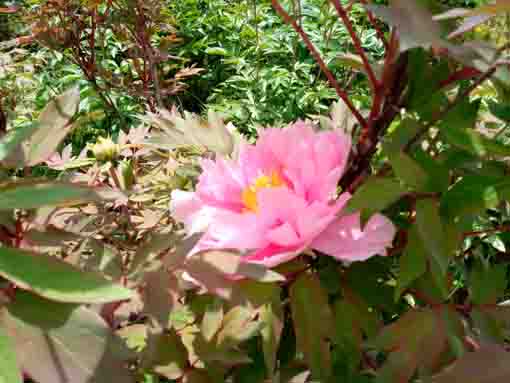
{"points": [[476, 143], [57, 280], [375, 195], [166, 355], [474, 194], [213, 317], [239, 325], [458, 129], [216, 51], [9, 371], [272, 317], [62, 343], [413, 263], [406, 130], [313, 323], [416, 339], [53, 126], [430, 230], [500, 110], [29, 194], [487, 284], [409, 171]]}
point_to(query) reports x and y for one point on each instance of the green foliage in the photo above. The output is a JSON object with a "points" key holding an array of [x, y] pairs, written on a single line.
{"points": [[96, 281]]}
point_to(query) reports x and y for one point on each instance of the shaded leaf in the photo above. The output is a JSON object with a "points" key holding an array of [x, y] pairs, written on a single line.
{"points": [[487, 284], [313, 328], [431, 231], [62, 343], [413, 263], [166, 354], [489, 364]]}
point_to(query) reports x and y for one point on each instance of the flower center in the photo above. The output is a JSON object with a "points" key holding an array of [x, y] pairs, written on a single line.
{"points": [[249, 195]]}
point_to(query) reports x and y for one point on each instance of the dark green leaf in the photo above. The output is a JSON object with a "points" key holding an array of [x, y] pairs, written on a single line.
{"points": [[432, 233], [413, 263], [375, 195], [487, 284], [313, 324]]}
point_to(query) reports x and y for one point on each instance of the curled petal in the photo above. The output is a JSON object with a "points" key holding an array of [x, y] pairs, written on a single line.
{"points": [[187, 208], [344, 239]]}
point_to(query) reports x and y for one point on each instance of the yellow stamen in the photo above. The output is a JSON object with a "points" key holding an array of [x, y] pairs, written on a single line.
{"points": [[249, 195]]}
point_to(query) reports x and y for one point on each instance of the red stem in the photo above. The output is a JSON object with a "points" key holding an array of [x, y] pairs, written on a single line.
{"points": [[339, 91], [376, 27], [342, 13]]}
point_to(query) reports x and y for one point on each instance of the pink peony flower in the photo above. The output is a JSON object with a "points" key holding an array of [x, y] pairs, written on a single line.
{"points": [[278, 198]]}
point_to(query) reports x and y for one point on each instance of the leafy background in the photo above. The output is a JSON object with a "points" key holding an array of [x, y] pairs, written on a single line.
{"points": [[92, 264]]}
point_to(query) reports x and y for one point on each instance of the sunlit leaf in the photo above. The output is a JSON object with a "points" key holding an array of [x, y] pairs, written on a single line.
{"points": [[9, 371], [30, 194], [57, 280], [52, 127]]}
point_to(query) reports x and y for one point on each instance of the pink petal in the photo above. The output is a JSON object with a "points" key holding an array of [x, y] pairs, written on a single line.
{"points": [[273, 255], [345, 240], [221, 184], [187, 208]]}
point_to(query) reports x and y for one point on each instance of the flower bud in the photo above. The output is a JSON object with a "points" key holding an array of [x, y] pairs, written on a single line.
{"points": [[126, 174], [105, 149]]}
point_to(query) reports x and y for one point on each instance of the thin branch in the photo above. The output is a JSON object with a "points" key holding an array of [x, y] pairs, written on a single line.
{"points": [[339, 91], [342, 13], [375, 25], [499, 229]]}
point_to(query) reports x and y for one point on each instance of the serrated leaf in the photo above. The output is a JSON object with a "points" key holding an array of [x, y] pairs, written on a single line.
{"points": [[313, 328], [62, 343], [189, 130], [56, 280], [29, 194], [9, 371]]}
